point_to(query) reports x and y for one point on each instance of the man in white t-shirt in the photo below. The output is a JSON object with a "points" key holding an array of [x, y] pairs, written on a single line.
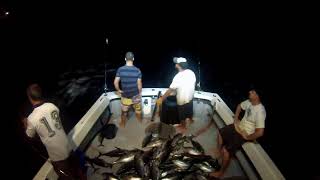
{"points": [[183, 84], [249, 128], [45, 121]]}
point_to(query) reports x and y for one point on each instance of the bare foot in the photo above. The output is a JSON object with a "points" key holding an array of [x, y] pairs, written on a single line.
{"points": [[215, 152], [122, 124], [181, 129], [191, 121], [216, 174], [139, 120]]}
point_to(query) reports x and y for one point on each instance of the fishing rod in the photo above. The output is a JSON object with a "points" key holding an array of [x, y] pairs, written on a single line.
{"points": [[105, 79], [155, 107], [199, 75], [105, 73], [43, 157]]}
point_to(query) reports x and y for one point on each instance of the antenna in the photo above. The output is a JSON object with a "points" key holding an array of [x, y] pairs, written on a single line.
{"points": [[105, 79], [105, 73], [199, 74]]}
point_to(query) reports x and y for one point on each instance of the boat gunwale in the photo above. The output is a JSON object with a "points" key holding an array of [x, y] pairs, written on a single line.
{"points": [[218, 106]]}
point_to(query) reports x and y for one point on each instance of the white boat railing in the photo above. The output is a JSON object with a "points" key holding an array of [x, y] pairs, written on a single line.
{"points": [[259, 158]]}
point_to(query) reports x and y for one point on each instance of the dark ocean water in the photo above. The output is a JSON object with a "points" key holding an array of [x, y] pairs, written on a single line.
{"points": [[42, 45]]}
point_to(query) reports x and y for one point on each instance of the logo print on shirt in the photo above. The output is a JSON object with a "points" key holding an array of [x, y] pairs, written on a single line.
{"points": [[249, 112]]}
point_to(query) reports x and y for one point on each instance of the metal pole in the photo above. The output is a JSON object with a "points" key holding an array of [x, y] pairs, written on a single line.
{"points": [[199, 74], [105, 73]]}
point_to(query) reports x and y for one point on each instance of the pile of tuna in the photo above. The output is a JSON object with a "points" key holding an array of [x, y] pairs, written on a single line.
{"points": [[179, 157]]}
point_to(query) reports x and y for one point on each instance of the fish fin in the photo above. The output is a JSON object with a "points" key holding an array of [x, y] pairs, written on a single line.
{"points": [[100, 154], [95, 170], [110, 165]]}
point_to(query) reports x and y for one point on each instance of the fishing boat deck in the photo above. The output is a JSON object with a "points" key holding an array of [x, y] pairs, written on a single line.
{"points": [[131, 136]]}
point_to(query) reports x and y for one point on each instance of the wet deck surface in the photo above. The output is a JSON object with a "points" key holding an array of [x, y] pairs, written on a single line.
{"points": [[132, 134]]}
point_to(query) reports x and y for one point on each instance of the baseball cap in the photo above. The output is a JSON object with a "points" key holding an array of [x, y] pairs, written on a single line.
{"points": [[129, 56], [178, 60]]}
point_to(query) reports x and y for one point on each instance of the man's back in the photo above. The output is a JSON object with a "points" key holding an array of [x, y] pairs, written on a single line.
{"points": [[184, 83], [45, 121], [129, 76]]}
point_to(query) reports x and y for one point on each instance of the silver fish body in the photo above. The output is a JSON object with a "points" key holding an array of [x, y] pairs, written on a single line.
{"points": [[155, 173], [115, 153], [174, 176], [131, 177], [110, 176], [192, 151], [126, 158], [175, 139], [155, 143], [181, 164], [146, 140], [139, 165], [197, 146], [125, 167], [200, 177], [205, 168]]}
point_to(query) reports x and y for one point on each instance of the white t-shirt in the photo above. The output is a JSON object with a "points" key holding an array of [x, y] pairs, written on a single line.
{"points": [[45, 121], [253, 118], [184, 84]]}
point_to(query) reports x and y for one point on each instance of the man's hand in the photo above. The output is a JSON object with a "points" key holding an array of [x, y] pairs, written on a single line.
{"points": [[119, 92], [25, 123], [198, 133], [236, 126], [159, 101], [244, 134], [236, 120]]}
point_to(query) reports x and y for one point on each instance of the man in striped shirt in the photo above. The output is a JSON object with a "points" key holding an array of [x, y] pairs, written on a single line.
{"points": [[131, 88]]}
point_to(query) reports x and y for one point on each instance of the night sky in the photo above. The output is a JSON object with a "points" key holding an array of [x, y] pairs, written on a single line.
{"points": [[43, 41]]}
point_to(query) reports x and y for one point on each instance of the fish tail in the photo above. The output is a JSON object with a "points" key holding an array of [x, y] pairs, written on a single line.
{"points": [[100, 154], [95, 170]]}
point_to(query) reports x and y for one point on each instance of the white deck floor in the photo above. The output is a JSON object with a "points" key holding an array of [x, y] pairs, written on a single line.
{"points": [[132, 135]]}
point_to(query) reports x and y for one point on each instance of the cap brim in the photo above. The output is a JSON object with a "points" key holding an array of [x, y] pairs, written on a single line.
{"points": [[175, 60]]}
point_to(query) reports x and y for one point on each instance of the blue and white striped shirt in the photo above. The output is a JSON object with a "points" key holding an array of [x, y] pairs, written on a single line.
{"points": [[129, 76]]}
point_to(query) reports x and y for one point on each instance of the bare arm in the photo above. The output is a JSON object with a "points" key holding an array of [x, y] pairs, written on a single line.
{"points": [[30, 130], [116, 84], [139, 85], [258, 133], [204, 129], [168, 92], [25, 123], [236, 115]]}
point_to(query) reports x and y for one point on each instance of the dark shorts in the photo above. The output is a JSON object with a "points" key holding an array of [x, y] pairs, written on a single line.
{"points": [[185, 111], [232, 140], [70, 167]]}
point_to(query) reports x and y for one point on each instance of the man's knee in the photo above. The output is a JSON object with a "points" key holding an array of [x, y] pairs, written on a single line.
{"points": [[124, 113], [226, 153]]}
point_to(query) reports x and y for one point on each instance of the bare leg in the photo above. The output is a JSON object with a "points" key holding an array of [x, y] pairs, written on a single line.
{"points": [[219, 141], [139, 116], [190, 120], [82, 175], [159, 105], [184, 124], [124, 116], [181, 128], [225, 163], [217, 150]]}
